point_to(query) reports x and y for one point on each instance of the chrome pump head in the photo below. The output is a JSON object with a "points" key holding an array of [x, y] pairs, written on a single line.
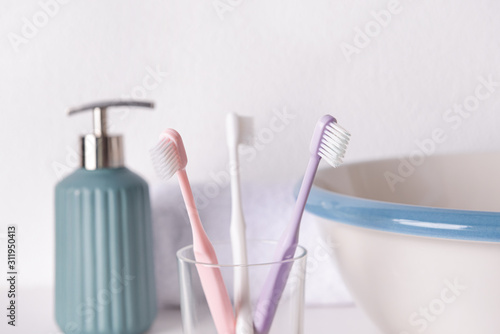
{"points": [[99, 150]]}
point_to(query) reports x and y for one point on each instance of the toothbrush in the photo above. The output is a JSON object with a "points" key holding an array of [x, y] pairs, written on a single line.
{"points": [[169, 158], [330, 143], [238, 130]]}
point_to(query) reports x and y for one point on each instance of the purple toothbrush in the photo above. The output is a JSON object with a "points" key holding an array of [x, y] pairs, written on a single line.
{"points": [[330, 143]]}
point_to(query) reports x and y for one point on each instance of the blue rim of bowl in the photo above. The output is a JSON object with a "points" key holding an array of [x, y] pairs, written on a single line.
{"points": [[404, 219]]}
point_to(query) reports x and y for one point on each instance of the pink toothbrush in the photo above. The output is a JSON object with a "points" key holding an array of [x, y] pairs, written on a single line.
{"points": [[330, 143], [169, 157]]}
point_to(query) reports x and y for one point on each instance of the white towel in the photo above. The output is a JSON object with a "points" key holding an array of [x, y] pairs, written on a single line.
{"points": [[267, 209]]}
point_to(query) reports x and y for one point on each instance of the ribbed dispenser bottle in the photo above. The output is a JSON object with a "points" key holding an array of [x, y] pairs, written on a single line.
{"points": [[104, 249]]}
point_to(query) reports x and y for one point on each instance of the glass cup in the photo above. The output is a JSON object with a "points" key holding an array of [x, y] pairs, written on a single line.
{"points": [[196, 318]]}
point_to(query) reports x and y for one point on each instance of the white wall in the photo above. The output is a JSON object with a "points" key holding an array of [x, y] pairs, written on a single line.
{"points": [[263, 57]]}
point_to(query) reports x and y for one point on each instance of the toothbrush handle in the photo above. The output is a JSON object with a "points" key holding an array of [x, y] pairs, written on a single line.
{"points": [[278, 275], [244, 324], [305, 189], [241, 288], [211, 277], [271, 293], [217, 297]]}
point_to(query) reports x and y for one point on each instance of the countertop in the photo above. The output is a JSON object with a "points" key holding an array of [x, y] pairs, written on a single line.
{"points": [[35, 316]]}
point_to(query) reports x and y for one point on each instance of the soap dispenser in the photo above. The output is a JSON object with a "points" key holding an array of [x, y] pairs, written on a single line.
{"points": [[104, 249]]}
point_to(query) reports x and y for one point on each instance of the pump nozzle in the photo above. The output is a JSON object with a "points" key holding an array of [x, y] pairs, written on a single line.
{"points": [[98, 149]]}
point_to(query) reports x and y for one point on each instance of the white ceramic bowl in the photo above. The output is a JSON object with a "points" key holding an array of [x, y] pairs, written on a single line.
{"points": [[422, 255]]}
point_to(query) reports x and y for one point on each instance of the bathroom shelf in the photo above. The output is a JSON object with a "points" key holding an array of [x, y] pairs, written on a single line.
{"points": [[35, 315], [328, 320]]}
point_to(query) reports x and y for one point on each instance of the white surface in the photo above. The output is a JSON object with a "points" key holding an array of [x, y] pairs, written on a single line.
{"points": [[265, 56], [35, 316]]}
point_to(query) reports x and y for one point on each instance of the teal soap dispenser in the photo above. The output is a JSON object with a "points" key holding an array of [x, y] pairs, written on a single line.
{"points": [[104, 249]]}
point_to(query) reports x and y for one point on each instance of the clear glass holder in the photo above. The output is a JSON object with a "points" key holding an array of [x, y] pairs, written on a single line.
{"points": [[196, 317]]}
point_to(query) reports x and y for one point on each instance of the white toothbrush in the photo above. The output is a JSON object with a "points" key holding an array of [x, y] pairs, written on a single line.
{"points": [[239, 132]]}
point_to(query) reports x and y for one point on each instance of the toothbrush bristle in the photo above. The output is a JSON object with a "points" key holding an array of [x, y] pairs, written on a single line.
{"points": [[334, 144], [165, 158]]}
